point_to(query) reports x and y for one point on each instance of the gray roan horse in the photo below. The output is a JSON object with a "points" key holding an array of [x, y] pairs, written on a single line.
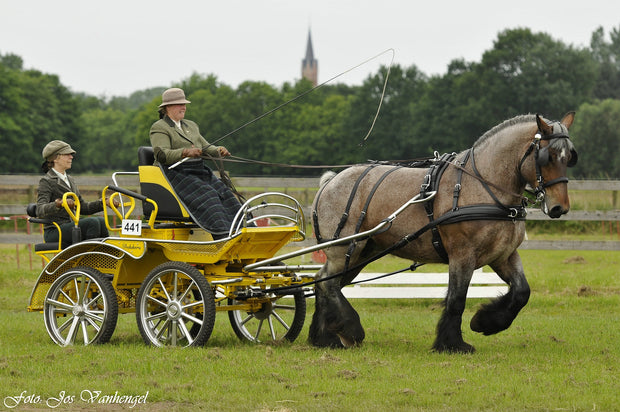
{"points": [[476, 219]]}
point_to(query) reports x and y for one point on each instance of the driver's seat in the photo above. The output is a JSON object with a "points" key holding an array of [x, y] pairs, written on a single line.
{"points": [[155, 185]]}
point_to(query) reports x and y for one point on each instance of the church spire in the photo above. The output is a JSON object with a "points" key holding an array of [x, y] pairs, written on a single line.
{"points": [[309, 65]]}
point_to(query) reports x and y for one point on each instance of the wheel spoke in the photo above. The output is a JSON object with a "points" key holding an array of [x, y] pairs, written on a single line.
{"points": [[73, 330], [260, 326], [59, 305], [65, 324], [285, 307], [162, 330], [175, 284], [279, 319], [93, 322], [154, 300], [84, 324], [185, 332], [273, 332], [92, 316], [159, 315], [173, 332], [93, 300], [191, 285], [246, 320], [163, 288], [67, 297], [84, 289], [192, 304], [191, 318]]}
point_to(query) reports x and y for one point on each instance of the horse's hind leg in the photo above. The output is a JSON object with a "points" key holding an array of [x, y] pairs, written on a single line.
{"points": [[498, 315], [449, 336]]}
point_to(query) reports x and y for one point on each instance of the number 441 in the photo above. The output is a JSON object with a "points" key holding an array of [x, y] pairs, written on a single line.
{"points": [[131, 227]]}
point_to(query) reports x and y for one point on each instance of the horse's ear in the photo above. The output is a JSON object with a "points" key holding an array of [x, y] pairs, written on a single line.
{"points": [[568, 119], [543, 126]]}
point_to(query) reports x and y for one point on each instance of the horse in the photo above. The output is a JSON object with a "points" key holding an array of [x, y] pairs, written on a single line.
{"points": [[474, 217]]}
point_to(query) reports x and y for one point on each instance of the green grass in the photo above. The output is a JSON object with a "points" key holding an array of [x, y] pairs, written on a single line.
{"points": [[561, 353]]}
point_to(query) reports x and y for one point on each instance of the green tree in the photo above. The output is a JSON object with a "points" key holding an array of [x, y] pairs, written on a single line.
{"points": [[596, 135], [35, 109], [607, 55], [110, 146], [529, 72]]}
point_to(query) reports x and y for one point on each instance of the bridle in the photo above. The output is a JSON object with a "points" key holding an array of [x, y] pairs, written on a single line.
{"points": [[542, 158]]}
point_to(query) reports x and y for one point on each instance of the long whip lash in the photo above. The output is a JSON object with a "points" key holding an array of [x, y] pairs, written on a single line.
{"points": [[321, 85]]}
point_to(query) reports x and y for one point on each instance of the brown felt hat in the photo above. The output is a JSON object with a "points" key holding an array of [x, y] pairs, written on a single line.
{"points": [[56, 147], [173, 96]]}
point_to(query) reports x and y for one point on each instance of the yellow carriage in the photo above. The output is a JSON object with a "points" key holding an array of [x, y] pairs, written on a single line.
{"points": [[171, 273]]}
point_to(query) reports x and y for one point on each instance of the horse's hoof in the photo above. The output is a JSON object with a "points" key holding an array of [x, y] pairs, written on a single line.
{"points": [[326, 341], [349, 342], [488, 323], [460, 348]]}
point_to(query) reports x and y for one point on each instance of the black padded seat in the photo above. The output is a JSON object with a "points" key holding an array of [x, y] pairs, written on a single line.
{"points": [[146, 156], [31, 210]]}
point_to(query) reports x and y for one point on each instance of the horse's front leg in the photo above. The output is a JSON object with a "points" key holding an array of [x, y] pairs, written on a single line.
{"points": [[498, 315], [449, 336], [335, 323]]}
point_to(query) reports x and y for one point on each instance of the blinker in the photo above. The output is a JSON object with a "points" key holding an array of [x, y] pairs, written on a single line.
{"points": [[543, 157]]}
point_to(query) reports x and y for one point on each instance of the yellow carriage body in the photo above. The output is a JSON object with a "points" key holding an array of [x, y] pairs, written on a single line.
{"points": [[168, 235]]}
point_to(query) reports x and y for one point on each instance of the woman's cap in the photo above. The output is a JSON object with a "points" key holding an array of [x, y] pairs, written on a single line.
{"points": [[173, 96], [56, 147]]}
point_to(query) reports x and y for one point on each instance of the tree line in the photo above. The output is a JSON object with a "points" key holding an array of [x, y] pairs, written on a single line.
{"points": [[524, 72]]}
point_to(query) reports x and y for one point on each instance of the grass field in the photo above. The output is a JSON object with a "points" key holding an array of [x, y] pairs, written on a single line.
{"points": [[562, 353]]}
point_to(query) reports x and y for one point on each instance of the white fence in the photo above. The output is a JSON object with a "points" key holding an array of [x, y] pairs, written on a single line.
{"points": [[418, 285]]}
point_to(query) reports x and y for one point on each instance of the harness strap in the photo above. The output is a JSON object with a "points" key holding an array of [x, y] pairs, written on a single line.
{"points": [[562, 179], [345, 215], [484, 183], [459, 176], [315, 216], [465, 213], [371, 195], [431, 181], [363, 214]]}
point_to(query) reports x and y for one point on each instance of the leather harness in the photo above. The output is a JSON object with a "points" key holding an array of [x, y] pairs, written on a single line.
{"points": [[436, 168]]}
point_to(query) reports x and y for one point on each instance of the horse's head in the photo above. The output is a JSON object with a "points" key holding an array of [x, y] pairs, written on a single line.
{"points": [[553, 153]]}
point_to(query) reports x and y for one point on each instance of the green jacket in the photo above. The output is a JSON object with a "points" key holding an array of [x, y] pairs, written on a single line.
{"points": [[168, 141], [51, 187]]}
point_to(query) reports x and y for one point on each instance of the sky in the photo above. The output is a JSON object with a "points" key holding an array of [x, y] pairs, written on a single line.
{"points": [[113, 48]]}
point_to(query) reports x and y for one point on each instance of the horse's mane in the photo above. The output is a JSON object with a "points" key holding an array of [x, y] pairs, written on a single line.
{"points": [[524, 118], [555, 144]]}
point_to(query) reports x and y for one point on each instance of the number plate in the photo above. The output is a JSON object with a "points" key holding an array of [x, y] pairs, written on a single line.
{"points": [[131, 227]]}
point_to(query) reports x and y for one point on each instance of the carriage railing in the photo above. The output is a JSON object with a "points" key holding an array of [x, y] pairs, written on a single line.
{"points": [[115, 176], [126, 206], [270, 209]]}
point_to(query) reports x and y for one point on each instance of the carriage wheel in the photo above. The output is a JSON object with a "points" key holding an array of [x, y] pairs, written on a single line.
{"points": [[279, 318], [175, 306], [80, 307]]}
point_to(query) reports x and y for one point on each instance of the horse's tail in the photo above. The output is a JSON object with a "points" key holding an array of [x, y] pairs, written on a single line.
{"points": [[326, 177]]}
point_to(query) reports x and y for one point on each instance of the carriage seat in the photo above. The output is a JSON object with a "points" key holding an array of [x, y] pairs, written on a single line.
{"points": [[155, 185], [31, 210]]}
